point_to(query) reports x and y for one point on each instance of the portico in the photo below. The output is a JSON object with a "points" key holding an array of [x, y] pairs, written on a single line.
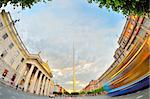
{"points": [[35, 76]]}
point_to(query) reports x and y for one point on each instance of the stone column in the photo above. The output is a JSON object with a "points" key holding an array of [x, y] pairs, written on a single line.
{"points": [[43, 83], [45, 88], [48, 88], [39, 84], [28, 78], [22, 71], [34, 81]]}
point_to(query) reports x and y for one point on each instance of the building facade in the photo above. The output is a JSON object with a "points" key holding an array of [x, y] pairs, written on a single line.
{"points": [[18, 67], [94, 84], [136, 28], [126, 68]]}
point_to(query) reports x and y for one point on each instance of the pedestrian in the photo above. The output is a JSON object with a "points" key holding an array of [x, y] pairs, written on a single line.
{"points": [[16, 86]]}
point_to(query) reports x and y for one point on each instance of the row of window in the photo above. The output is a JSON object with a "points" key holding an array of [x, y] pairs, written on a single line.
{"points": [[118, 54], [11, 45], [4, 53], [14, 57], [141, 33], [124, 41]]}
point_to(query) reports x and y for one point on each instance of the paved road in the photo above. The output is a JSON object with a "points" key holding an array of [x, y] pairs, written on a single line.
{"points": [[9, 93]]}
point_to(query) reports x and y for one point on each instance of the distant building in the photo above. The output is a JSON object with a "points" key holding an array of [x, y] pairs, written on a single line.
{"points": [[59, 89], [18, 67], [94, 84]]}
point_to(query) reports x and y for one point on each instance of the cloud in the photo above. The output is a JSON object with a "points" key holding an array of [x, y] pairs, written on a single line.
{"points": [[57, 72], [52, 28], [80, 84]]}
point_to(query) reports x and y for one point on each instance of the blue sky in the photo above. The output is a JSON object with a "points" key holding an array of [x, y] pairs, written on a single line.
{"points": [[52, 27]]}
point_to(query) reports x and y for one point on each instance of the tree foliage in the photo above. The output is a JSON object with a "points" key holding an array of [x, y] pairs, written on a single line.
{"points": [[82, 92], [127, 7], [22, 3], [97, 90]]}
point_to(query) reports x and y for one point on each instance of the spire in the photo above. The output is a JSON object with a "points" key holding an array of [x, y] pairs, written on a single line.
{"points": [[74, 75]]}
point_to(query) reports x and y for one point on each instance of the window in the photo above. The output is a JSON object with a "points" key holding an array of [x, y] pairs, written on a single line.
{"points": [[119, 52], [4, 54], [146, 23], [133, 22], [142, 33], [11, 45], [22, 59], [12, 61], [122, 45], [17, 67], [124, 42], [5, 36], [17, 53], [128, 49], [1, 24], [116, 56], [129, 30], [134, 40], [122, 56]]}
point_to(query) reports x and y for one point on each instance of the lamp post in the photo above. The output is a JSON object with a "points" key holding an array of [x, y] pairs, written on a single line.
{"points": [[13, 22]]}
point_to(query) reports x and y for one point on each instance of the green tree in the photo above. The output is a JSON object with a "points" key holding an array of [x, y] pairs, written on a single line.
{"points": [[127, 7], [82, 92], [22, 3]]}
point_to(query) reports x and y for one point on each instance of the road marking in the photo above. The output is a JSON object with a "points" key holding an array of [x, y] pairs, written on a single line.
{"points": [[13, 97], [139, 97]]}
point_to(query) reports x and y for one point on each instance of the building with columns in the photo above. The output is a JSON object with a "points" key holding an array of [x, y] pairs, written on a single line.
{"points": [[19, 67]]}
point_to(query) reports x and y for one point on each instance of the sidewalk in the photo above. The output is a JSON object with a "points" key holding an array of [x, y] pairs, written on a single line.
{"points": [[8, 84], [5, 82]]}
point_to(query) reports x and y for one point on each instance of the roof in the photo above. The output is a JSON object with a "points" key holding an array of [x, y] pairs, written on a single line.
{"points": [[43, 64]]}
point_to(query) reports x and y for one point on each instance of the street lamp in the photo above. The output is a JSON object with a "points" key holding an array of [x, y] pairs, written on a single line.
{"points": [[13, 22]]}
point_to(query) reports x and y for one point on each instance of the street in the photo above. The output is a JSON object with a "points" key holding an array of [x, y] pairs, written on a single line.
{"points": [[10, 93]]}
